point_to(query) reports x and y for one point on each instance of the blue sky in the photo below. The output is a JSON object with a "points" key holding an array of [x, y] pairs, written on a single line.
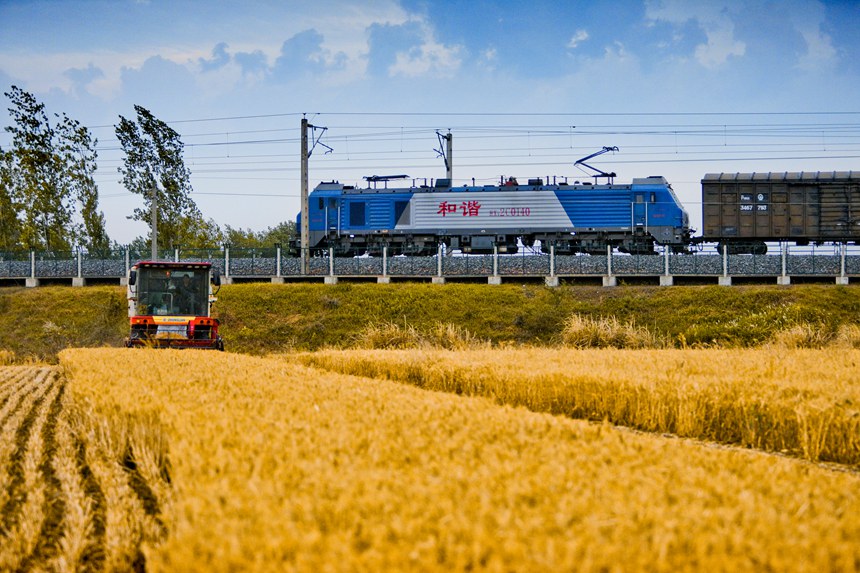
{"points": [[683, 88]]}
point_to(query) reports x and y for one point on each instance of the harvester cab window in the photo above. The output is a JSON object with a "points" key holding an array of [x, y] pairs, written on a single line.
{"points": [[187, 288]]}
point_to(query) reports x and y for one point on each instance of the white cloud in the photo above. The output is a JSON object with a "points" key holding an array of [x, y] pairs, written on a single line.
{"points": [[808, 20], [819, 51], [721, 44], [578, 37], [430, 57], [714, 20], [343, 23]]}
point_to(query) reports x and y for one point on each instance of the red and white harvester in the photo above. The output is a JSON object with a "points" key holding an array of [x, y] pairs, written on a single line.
{"points": [[169, 305]]}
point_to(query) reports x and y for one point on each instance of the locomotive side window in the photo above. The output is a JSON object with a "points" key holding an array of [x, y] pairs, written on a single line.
{"points": [[357, 214], [399, 208], [321, 203]]}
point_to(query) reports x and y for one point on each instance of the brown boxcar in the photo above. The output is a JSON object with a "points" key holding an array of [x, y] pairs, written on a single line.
{"points": [[743, 210]]}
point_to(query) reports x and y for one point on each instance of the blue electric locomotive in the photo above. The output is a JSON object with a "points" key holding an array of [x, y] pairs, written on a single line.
{"points": [[579, 217]]}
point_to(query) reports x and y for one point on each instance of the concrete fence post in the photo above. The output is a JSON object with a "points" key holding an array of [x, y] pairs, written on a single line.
{"points": [[439, 261], [79, 281], [32, 281], [783, 278], [438, 279], [666, 279], [725, 280], [842, 279], [495, 279], [330, 279], [609, 280]]}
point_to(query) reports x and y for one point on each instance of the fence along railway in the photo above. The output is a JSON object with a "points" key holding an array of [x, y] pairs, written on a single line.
{"points": [[64, 503], [784, 263]]}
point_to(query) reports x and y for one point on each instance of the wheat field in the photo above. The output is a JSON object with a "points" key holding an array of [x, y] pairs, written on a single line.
{"points": [[797, 401], [264, 464], [67, 503]]}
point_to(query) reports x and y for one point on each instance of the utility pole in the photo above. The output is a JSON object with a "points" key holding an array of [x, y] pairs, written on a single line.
{"points": [[306, 153], [305, 232], [446, 153], [450, 162], [154, 207]]}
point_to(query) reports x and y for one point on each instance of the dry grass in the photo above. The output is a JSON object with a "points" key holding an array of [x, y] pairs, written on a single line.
{"points": [[277, 466], [7, 357], [390, 335], [803, 402], [807, 335], [586, 332]]}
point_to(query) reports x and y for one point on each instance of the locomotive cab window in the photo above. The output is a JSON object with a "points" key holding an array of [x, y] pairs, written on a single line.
{"points": [[653, 197], [640, 198]]}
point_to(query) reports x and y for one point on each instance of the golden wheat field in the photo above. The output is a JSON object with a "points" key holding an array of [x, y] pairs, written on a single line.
{"points": [[797, 401], [67, 502], [195, 461]]}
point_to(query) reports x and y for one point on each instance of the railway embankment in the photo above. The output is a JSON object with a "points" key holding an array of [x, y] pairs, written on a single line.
{"points": [[261, 318]]}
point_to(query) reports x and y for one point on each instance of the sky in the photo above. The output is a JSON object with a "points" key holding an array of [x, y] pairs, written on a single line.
{"points": [[682, 88]]}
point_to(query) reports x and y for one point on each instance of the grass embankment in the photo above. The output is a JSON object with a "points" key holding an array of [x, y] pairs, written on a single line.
{"points": [[277, 466], [262, 318], [37, 323]]}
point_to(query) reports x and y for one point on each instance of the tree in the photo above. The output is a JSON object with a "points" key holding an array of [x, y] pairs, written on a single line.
{"points": [[10, 227], [36, 175], [280, 233], [78, 154], [248, 239], [153, 160], [44, 176]]}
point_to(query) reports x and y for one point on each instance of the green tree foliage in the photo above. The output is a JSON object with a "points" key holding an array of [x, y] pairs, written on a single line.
{"points": [[249, 239], [44, 177], [154, 159], [280, 233], [10, 227], [77, 149]]}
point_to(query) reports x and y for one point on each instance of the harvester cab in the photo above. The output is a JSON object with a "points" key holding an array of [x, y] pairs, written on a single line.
{"points": [[169, 305]]}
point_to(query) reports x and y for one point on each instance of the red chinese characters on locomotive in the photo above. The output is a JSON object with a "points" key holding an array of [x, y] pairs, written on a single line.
{"points": [[468, 208]]}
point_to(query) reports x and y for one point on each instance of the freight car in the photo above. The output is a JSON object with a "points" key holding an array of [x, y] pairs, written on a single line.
{"points": [[416, 219], [744, 210]]}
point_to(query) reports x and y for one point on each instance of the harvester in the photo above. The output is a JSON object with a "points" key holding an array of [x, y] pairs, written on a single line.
{"points": [[169, 305]]}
